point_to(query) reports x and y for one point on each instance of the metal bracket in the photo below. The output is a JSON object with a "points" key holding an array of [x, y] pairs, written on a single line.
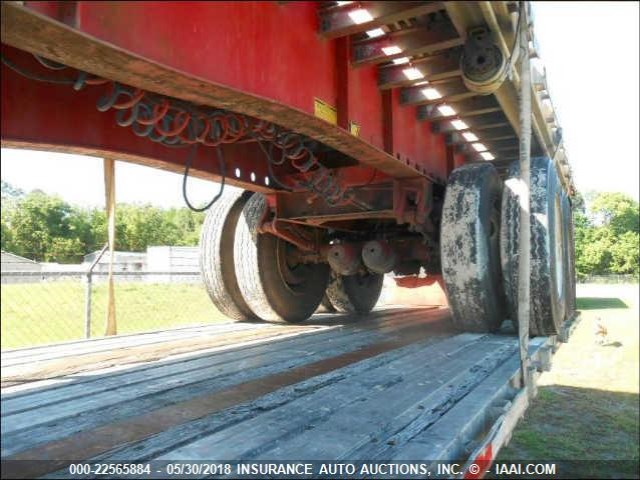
{"points": [[289, 232], [420, 190]]}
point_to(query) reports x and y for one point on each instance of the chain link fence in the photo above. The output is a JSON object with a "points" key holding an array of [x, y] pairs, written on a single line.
{"points": [[40, 308], [609, 279]]}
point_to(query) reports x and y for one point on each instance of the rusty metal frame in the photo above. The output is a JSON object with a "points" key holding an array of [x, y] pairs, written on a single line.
{"points": [[417, 215]]}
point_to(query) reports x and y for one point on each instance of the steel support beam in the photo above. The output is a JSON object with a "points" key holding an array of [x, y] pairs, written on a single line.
{"points": [[477, 123], [469, 107], [36, 33], [498, 133], [436, 67], [337, 22], [419, 41], [524, 198], [441, 92]]}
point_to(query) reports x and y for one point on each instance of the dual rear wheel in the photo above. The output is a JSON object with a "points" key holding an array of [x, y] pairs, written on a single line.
{"points": [[480, 248], [550, 247], [253, 275]]}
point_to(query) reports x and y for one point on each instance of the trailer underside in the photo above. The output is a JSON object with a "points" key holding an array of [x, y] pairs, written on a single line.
{"points": [[346, 119], [353, 98]]}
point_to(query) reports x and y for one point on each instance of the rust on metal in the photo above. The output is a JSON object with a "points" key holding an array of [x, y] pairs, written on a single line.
{"points": [[294, 234], [412, 203], [416, 282]]}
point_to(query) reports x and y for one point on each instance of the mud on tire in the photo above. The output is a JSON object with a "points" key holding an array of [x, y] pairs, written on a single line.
{"points": [[548, 247], [570, 275], [469, 247]]}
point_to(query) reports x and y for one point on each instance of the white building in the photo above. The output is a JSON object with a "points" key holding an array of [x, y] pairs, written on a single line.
{"points": [[170, 260], [122, 261], [11, 263]]}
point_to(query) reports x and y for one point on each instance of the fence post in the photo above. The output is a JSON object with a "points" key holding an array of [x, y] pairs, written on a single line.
{"points": [[87, 293], [110, 203], [87, 305]]}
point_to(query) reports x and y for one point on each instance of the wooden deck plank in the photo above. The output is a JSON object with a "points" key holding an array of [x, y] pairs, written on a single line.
{"points": [[128, 378], [24, 432], [307, 391], [20, 356], [364, 431], [206, 374], [105, 357], [290, 421]]}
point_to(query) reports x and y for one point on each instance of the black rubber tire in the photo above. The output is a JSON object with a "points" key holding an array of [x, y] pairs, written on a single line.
{"points": [[217, 258], [326, 306], [259, 266], [469, 248], [548, 272], [570, 275], [354, 293]]}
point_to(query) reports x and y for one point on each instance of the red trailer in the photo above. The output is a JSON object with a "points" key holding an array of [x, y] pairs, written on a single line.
{"points": [[368, 137]]}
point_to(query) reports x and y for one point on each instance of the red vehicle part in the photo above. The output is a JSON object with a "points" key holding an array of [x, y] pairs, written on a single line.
{"points": [[185, 44], [348, 115]]}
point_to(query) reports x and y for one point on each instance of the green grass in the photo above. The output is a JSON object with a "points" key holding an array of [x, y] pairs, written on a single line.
{"points": [[587, 406], [599, 303], [41, 313], [568, 423]]}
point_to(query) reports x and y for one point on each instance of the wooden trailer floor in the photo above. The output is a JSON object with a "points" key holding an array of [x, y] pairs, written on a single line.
{"points": [[400, 385]]}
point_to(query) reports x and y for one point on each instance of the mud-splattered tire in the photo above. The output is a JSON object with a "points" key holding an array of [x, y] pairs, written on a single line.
{"points": [[273, 289], [354, 293], [548, 282], [570, 274], [469, 247], [217, 255], [326, 306]]}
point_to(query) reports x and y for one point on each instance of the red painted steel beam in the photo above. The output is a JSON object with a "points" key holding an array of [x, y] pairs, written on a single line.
{"points": [[190, 50], [499, 133], [477, 123], [511, 150], [446, 92], [42, 116], [464, 108], [501, 147], [340, 21], [418, 41], [343, 54], [436, 67]]}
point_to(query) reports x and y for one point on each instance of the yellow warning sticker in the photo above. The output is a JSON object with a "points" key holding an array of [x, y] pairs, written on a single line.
{"points": [[325, 111], [354, 128]]}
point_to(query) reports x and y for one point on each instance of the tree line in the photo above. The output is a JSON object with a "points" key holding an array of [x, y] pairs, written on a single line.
{"points": [[44, 227], [607, 234]]}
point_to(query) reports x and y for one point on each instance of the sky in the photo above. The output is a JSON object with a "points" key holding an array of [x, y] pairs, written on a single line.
{"points": [[80, 180], [590, 50]]}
